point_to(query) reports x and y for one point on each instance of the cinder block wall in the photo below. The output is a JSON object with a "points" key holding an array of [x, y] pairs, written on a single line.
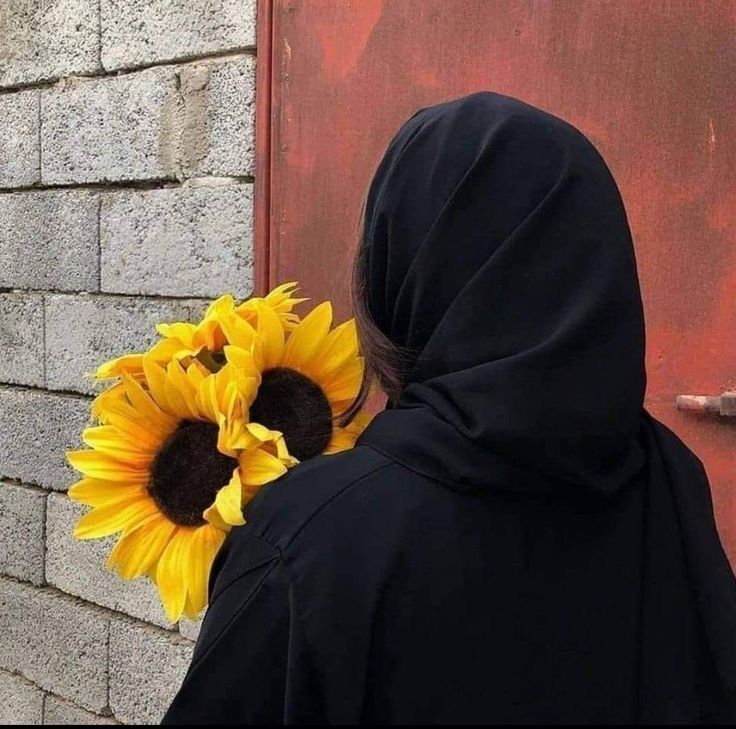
{"points": [[126, 195]]}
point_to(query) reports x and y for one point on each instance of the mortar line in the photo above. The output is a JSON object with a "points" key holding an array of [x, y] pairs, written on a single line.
{"points": [[159, 298], [43, 537], [44, 363], [99, 243], [159, 183], [99, 36], [223, 55], [69, 394], [35, 488], [40, 138], [108, 663]]}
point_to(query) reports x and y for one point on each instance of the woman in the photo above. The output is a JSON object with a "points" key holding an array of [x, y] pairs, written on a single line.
{"points": [[514, 540]]}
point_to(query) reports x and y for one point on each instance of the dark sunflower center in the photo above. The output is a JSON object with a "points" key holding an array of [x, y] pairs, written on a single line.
{"points": [[293, 404], [188, 472]]}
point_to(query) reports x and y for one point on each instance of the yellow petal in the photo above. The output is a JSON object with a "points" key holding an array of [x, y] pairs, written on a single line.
{"points": [[260, 432], [146, 407], [212, 516], [344, 438], [123, 417], [340, 349], [171, 574], [306, 341], [237, 331], [282, 452], [106, 520], [156, 381], [243, 360], [139, 549], [229, 501], [179, 388], [93, 492], [281, 298], [104, 467], [196, 372], [206, 399], [224, 304], [227, 437], [210, 335], [202, 548], [108, 439], [271, 333], [259, 467], [105, 399], [182, 331], [168, 349], [346, 384], [127, 364]]}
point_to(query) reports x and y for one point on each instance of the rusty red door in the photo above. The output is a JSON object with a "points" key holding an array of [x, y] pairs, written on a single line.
{"points": [[651, 83]]}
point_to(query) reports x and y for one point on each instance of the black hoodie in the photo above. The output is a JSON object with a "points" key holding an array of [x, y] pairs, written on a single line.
{"points": [[516, 540]]}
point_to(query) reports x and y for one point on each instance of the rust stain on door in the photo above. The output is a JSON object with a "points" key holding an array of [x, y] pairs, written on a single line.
{"points": [[653, 86]]}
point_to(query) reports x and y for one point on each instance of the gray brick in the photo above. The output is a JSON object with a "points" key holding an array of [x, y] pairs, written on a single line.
{"points": [[104, 327], [21, 338], [58, 643], [147, 667], [110, 129], [190, 628], [57, 712], [140, 32], [47, 39], [188, 241], [19, 147], [49, 240], [22, 518], [78, 567], [20, 701], [36, 429], [217, 133]]}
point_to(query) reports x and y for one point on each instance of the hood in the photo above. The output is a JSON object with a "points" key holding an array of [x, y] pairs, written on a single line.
{"points": [[500, 257]]}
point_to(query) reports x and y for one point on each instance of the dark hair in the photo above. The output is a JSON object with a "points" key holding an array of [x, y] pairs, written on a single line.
{"points": [[385, 361]]}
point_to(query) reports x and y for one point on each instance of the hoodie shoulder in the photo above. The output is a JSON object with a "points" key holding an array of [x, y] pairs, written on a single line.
{"points": [[284, 507]]}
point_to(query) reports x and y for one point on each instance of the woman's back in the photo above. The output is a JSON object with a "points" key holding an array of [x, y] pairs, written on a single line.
{"points": [[515, 539], [363, 592]]}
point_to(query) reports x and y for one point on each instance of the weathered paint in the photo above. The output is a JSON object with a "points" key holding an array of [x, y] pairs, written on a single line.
{"points": [[651, 83]]}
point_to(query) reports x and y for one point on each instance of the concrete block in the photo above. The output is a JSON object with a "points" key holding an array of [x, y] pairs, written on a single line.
{"points": [[49, 240], [218, 119], [57, 642], [147, 666], [22, 519], [140, 32], [160, 123], [103, 327], [36, 429], [47, 39], [187, 241], [58, 712], [19, 145], [78, 567], [190, 628], [21, 339], [20, 701], [110, 129]]}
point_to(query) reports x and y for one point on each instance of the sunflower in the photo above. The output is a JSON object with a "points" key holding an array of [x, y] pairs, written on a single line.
{"points": [[204, 341], [170, 467], [309, 376]]}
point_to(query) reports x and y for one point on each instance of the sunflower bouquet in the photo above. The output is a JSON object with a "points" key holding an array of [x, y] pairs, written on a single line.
{"points": [[189, 431]]}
